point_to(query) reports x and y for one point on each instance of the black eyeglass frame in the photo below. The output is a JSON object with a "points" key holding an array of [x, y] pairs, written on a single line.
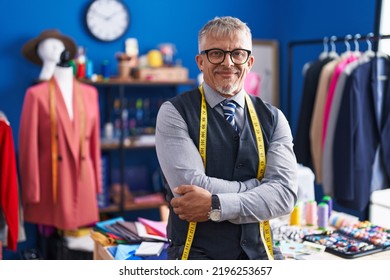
{"points": [[206, 52]]}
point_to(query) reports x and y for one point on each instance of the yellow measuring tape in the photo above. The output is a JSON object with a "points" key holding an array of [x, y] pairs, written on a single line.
{"points": [[54, 133], [202, 151], [265, 229], [54, 141]]}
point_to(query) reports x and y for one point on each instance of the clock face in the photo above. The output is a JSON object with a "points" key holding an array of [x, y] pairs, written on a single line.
{"points": [[107, 20]]}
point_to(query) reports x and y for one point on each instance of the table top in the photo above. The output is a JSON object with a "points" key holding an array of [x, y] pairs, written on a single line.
{"points": [[385, 255]]}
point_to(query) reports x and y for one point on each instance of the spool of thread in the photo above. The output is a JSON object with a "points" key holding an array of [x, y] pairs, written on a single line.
{"points": [[311, 213], [105, 70], [74, 67], [81, 70], [323, 218], [295, 217], [89, 69], [328, 200]]}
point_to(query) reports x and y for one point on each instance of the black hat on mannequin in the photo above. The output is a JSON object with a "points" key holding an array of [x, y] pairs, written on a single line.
{"points": [[29, 50]]}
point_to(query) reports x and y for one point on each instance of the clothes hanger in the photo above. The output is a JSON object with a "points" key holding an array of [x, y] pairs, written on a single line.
{"points": [[347, 46], [369, 52], [357, 47], [333, 53], [325, 52]]}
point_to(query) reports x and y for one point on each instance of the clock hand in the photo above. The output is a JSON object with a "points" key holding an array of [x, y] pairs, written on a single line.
{"points": [[100, 15], [112, 15]]}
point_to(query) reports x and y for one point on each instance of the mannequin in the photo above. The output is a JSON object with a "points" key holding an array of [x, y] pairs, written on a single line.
{"points": [[59, 139], [49, 51], [63, 73], [59, 149]]}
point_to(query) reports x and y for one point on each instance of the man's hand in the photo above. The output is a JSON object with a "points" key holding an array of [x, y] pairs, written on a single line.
{"points": [[193, 205]]}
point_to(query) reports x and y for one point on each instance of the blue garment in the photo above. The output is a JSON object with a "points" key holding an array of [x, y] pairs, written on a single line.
{"points": [[358, 135]]}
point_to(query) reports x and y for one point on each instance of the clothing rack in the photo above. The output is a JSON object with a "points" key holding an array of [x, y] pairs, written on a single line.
{"points": [[370, 37]]}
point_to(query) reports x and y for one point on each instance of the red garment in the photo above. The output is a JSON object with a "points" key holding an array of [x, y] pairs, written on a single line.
{"points": [[9, 184]]}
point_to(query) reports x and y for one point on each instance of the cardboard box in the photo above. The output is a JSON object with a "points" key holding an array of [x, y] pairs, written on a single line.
{"points": [[101, 253], [162, 74]]}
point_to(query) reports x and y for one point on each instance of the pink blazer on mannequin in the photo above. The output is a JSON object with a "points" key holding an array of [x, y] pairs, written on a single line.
{"points": [[77, 191]]}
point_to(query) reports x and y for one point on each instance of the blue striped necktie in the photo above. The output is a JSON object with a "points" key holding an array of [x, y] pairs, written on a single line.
{"points": [[229, 108]]}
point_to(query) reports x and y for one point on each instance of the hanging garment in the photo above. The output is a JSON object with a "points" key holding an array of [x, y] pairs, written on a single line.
{"points": [[351, 57], [358, 136], [302, 137], [8, 185], [78, 174], [318, 113], [327, 159], [321, 109]]}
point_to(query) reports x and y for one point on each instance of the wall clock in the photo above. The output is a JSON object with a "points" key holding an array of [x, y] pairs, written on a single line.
{"points": [[107, 20]]}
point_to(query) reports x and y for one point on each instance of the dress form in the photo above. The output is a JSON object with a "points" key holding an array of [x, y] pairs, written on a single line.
{"points": [[63, 74], [72, 203]]}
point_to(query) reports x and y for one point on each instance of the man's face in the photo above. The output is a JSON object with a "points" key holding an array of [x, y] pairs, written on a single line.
{"points": [[226, 77]]}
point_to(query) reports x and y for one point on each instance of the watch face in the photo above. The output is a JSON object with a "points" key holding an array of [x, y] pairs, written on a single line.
{"points": [[107, 20], [215, 215]]}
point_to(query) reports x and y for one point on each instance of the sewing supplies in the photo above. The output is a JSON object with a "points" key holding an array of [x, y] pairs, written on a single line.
{"points": [[357, 240], [339, 219], [295, 218], [328, 200], [323, 215], [311, 213]]}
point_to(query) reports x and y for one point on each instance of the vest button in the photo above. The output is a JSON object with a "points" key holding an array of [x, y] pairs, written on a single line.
{"points": [[236, 137], [243, 242]]}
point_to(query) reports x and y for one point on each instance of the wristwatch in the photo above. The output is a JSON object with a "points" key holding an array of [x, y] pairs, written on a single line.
{"points": [[215, 212]]}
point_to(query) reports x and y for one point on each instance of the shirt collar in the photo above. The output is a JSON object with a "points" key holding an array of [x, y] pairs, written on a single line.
{"points": [[213, 98]]}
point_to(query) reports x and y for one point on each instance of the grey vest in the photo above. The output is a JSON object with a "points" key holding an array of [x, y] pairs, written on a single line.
{"points": [[229, 156]]}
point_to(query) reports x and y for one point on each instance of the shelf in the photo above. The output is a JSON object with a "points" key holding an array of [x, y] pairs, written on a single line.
{"points": [[141, 203], [122, 148], [133, 82], [135, 142], [116, 146], [132, 207]]}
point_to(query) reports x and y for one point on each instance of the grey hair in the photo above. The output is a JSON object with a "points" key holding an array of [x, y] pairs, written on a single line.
{"points": [[223, 27]]}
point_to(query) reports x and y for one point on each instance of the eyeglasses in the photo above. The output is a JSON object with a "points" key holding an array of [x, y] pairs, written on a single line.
{"points": [[217, 56]]}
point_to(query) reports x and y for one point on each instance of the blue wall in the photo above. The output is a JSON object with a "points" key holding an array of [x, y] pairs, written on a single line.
{"points": [[152, 22], [156, 21], [302, 20]]}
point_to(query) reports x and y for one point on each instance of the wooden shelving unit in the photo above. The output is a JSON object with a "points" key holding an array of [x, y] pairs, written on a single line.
{"points": [[114, 81], [124, 87], [155, 203]]}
